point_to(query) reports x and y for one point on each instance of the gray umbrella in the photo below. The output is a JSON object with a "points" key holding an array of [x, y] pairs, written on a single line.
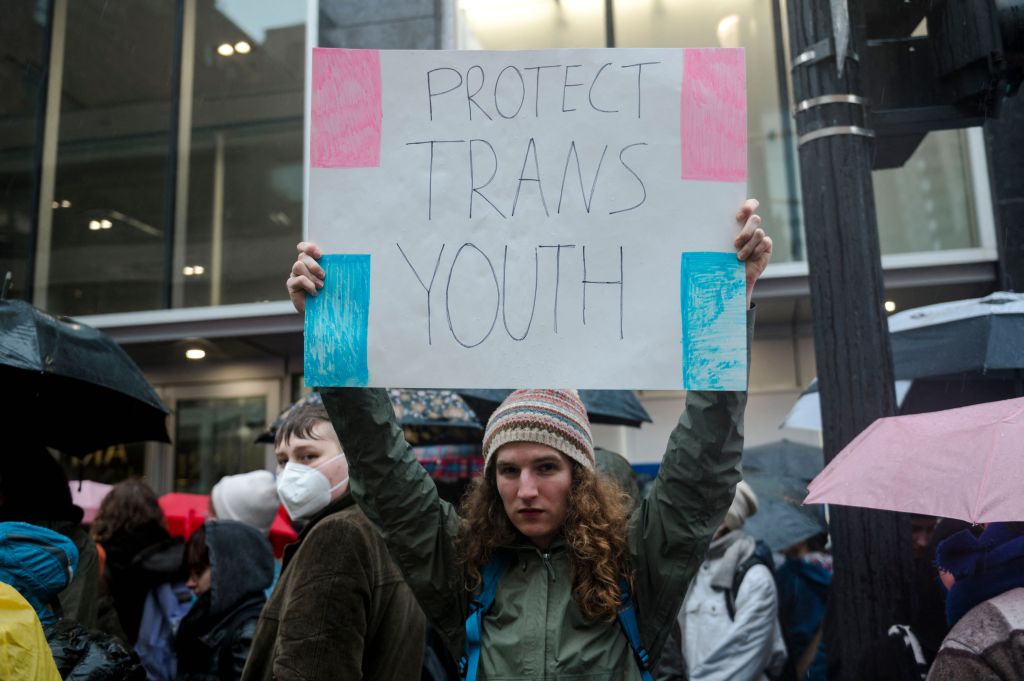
{"points": [[781, 521], [979, 334], [785, 459], [945, 356]]}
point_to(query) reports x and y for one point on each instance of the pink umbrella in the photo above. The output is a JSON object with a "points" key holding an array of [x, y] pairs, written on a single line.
{"points": [[88, 497], [965, 463]]}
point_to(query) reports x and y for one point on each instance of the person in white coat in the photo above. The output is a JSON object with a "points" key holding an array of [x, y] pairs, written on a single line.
{"points": [[740, 640]]}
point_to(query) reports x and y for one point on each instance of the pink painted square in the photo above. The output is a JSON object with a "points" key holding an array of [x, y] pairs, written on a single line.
{"points": [[713, 115], [346, 109]]}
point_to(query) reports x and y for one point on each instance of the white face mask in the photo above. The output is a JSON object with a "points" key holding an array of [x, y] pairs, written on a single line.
{"points": [[304, 490]]}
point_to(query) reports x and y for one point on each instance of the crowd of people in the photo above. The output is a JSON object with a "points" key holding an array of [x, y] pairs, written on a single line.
{"points": [[552, 565]]}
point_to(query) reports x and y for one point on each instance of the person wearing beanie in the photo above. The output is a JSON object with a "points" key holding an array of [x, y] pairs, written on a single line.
{"points": [[729, 631], [249, 498], [541, 529], [985, 605]]}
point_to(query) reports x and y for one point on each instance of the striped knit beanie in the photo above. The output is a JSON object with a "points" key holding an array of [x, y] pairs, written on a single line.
{"points": [[556, 418]]}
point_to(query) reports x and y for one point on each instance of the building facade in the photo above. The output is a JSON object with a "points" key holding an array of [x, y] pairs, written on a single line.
{"points": [[152, 183]]}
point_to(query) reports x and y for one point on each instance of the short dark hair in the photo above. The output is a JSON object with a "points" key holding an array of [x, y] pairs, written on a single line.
{"points": [[197, 554], [300, 422]]}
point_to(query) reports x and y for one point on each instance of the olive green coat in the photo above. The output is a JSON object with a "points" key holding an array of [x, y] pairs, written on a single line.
{"points": [[535, 630]]}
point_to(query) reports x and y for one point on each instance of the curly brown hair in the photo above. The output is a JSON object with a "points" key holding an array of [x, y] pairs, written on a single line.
{"points": [[129, 505], [594, 533]]}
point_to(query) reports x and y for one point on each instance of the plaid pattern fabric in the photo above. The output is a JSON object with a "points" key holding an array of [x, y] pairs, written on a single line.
{"points": [[556, 418], [460, 462]]}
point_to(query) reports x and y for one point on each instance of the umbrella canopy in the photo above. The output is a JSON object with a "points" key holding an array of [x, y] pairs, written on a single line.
{"points": [[87, 495], [186, 512], [979, 334], [74, 379], [965, 463], [427, 416], [780, 520], [784, 459], [946, 355], [613, 407]]}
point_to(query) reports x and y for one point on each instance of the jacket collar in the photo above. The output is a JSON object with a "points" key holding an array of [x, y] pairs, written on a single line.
{"points": [[339, 504]]}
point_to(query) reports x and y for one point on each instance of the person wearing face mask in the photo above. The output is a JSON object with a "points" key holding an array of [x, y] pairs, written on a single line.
{"points": [[340, 608]]}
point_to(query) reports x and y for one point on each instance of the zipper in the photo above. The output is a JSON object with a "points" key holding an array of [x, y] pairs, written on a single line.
{"points": [[546, 557]]}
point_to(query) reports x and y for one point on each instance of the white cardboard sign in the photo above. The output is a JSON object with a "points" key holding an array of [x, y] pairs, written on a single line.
{"points": [[555, 218]]}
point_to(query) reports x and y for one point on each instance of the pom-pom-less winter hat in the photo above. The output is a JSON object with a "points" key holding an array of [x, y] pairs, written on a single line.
{"points": [[556, 418]]}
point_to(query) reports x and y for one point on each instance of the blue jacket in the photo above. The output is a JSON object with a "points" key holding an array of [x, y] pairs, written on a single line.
{"points": [[38, 562], [803, 592]]}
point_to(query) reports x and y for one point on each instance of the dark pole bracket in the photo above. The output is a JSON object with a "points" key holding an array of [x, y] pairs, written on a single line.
{"points": [[819, 51]]}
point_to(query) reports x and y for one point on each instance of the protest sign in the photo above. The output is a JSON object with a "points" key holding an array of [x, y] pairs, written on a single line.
{"points": [[555, 218]]}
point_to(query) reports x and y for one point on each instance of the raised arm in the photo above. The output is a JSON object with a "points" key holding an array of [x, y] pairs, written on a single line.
{"points": [[671, 530], [399, 498]]}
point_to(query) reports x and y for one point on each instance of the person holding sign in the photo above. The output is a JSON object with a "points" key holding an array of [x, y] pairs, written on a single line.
{"points": [[534, 576]]}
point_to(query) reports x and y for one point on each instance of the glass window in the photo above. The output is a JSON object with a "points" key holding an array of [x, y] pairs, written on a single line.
{"points": [[925, 205], [772, 169], [22, 57], [244, 202], [116, 73], [215, 437], [531, 24]]}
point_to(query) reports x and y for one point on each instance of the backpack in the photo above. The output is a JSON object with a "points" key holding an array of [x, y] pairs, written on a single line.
{"points": [[470, 661], [782, 669], [762, 556], [166, 605]]}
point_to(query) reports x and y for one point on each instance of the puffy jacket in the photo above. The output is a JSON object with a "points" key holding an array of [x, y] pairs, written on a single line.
{"points": [[39, 563], [83, 655], [535, 629], [214, 637], [720, 647]]}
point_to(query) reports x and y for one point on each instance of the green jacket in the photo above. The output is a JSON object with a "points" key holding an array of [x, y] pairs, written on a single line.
{"points": [[340, 609], [535, 630]]}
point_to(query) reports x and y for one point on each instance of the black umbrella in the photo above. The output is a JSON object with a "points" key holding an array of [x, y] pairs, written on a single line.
{"points": [[71, 386], [614, 407]]}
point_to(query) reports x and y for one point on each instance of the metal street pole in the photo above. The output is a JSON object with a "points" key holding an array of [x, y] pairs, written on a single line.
{"points": [[871, 549]]}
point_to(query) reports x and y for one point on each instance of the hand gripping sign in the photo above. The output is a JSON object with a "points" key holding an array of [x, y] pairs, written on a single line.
{"points": [[555, 218]]}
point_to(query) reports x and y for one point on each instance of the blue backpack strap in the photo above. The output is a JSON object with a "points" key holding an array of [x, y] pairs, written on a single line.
{"points": [[469, 663], [627, 618]]}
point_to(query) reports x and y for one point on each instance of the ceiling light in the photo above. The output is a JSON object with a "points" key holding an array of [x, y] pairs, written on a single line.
{"points": [[198, 269], [55, 204], [225, 50], [94, 225], [195, 353], [188, 271], [242, 47], [106, 224], [890, 306], [65, 204]]}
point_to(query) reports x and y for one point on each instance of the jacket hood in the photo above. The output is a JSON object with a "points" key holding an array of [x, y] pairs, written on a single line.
{"points": [[984, 566], [241, 563], [38, 562]]}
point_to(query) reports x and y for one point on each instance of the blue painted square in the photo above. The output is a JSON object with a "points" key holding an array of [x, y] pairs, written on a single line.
{"points": [[713, 300], [337, 322]]}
